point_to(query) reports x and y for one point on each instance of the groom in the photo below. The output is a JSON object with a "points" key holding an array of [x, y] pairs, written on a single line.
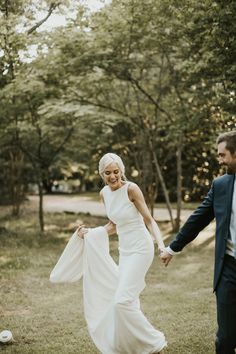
{"points": [[220, 203]]}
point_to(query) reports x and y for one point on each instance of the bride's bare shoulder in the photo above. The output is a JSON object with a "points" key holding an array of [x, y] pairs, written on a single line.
{"points": [[133, 186], [133, 190]]}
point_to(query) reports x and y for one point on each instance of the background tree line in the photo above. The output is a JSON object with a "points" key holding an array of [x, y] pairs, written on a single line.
{"points": [[153, 81]]}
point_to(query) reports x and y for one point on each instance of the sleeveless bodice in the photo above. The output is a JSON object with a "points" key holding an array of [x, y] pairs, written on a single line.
{"points": [[132, 232]]}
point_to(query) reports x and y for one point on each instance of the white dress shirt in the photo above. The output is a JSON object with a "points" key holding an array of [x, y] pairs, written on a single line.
{"points": [[231, 242]]}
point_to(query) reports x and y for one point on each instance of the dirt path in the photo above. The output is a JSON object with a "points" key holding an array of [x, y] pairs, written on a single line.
{"points": [[77, 204]]}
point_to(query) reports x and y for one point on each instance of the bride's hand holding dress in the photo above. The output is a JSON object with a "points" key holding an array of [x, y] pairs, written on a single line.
{"points": [[81, 231], [109, 227]]}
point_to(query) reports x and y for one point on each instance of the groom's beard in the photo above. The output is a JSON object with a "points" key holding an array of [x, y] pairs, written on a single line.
{"points": [[231, 169]]}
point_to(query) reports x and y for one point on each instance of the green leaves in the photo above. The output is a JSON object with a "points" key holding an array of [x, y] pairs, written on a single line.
{"points": [[134, 72]]}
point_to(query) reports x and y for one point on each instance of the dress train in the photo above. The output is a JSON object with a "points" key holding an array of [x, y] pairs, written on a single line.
{"points": [[111, 302]]}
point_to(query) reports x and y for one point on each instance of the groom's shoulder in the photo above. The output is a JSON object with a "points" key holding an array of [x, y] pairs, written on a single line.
{"points": [[218, 181]]}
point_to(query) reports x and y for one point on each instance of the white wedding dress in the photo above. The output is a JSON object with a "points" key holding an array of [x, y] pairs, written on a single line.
{"points": [[111, 293]]}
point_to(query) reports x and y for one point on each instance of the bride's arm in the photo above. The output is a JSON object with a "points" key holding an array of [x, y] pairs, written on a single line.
{"points": [[110, 228], [136, 196], [83, 230]]}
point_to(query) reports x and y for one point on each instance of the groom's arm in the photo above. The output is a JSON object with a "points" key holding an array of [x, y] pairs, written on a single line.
{"points": [[200, 218]]}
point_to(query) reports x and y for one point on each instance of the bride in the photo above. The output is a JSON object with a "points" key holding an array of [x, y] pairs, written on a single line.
{"points": [[111, 293]]}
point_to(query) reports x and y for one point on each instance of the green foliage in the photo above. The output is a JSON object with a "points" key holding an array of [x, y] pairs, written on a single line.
{"points": [[142, 78], [22, 92]]}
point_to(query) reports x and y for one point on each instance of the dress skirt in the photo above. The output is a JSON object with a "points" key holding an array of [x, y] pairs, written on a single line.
{"points": [[110, 293]]}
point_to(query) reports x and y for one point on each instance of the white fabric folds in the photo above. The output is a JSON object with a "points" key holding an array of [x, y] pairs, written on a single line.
{"points": [[89, 258], [69, 267], [116, 324]]}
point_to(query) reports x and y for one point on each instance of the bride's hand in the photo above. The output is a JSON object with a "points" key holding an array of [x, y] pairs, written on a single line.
{"points": [[110, 228], [161, 250], [81, 231]]}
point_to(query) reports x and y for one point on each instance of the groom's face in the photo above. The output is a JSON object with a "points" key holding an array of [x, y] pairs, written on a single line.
{"points": [[226, 159]]}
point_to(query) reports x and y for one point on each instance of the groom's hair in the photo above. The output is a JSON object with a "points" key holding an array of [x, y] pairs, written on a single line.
{"points": [[230, 139]]}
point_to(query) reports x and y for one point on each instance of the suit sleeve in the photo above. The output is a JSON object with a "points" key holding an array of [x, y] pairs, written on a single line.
{"points": [[200, 218]]}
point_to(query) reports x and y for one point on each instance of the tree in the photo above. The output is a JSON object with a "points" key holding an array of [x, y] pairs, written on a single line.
{"points": [[13, 41]]}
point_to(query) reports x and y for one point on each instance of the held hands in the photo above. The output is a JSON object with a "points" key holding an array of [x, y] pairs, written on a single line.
{"points": [[165, 257], [81, 231]]}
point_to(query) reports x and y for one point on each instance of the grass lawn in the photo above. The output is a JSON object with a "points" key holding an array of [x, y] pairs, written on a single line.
{"points": [[48, 318]]}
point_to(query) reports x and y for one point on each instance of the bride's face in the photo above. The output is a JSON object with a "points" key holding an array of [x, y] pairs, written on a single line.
{"points": [[112, 176]]}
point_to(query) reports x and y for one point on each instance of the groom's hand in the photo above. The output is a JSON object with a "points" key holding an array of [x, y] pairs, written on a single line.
{"points": [[165, 257]]}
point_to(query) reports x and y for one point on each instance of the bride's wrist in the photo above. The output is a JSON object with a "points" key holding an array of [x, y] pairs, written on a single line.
{"points": [[161, 248]]}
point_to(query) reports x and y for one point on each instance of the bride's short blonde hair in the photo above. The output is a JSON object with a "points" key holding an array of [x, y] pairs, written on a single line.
{"points": [[109, 158]]}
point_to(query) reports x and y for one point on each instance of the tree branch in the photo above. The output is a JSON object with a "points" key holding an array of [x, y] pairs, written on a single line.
{"points": [[56, 152], [174, 74], [141, 89], [83, 100], [52, 7]]}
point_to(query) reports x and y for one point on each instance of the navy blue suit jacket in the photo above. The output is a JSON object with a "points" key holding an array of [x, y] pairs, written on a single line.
{"points": [[217, 204]]}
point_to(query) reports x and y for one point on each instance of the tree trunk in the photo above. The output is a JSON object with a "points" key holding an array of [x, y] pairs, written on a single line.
{"points": [[146, 181], [163, 185], [16, 180], [151, 200], [41, 216], [179, 186]]}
